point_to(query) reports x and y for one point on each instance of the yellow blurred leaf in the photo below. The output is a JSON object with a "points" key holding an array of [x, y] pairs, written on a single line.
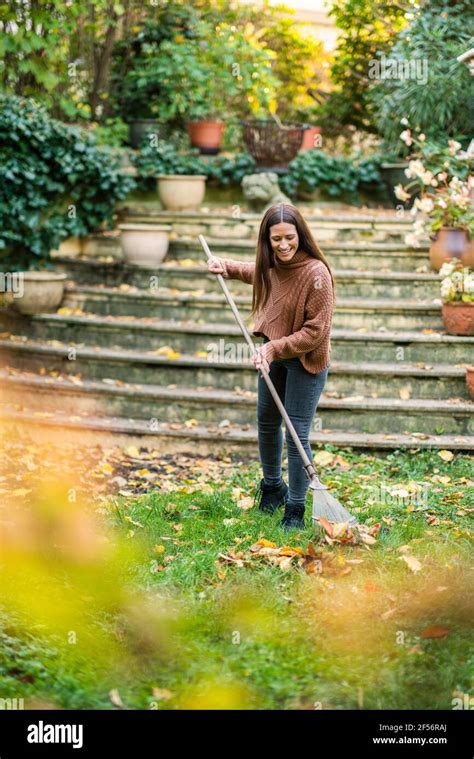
{"points": [[323, 458], [133, 451], [446, 455], [413, 563], [162, 694], [114, 696]]}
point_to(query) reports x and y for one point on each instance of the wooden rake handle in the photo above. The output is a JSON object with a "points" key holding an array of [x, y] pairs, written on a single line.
{"points": [[309, 468]]}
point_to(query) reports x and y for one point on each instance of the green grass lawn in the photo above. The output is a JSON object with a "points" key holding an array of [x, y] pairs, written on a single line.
{"points": [[383, 626]]}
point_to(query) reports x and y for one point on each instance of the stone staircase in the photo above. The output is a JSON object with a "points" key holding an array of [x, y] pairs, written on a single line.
{"points": [[166, 366]]}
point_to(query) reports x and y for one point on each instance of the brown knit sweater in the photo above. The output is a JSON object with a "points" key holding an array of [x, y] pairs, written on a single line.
{"points": [[297, 316]]}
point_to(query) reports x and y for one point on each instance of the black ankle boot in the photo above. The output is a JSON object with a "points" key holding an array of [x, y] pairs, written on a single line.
{"points": [[271, 496], [293, 517]]}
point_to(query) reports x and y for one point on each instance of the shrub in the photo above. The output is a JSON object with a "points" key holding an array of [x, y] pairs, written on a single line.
{"points": [[166, 158], [55, 182], [335, 176], [226, 170]]}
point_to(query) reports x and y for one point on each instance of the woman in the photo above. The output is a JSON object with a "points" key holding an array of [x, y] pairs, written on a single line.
{"points": [[293, 304]]}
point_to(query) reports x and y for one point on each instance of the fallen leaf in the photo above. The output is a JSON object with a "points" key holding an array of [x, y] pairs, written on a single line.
{"points": [[114, 696], [162, 694], [245, 503], [446, 455], [435, 631], [412, 562], [323, 458], [262, 543]]}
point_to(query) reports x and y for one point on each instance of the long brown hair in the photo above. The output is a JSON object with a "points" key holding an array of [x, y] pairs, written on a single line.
{"points": [[283, 212]]}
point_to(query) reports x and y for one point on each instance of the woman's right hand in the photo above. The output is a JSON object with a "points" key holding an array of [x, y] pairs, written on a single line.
{"points": [[215, 266]]}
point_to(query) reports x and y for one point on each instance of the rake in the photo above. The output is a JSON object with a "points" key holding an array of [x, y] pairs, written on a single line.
{"points": [[324, 504]]}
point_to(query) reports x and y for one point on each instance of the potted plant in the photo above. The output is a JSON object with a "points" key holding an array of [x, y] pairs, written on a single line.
{"points": [[444, 206], [205, 127], [57, 185], [144, 244], [181, 175], [457, 294]]}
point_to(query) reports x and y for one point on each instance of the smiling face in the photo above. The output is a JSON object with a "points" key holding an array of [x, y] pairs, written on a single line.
{"points": [[284, 240]]}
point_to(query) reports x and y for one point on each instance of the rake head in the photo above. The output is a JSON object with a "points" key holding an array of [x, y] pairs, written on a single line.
{"points": [[327, 506]]}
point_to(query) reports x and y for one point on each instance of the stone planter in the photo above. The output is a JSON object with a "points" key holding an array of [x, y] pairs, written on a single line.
{"points": [[144, 244], [458, 318], [470, 381], [451, 242], [42, 292], [181, 192], [206, 135]]}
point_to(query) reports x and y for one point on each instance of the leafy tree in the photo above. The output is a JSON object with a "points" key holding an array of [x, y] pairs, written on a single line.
{"points": [[442, 105], [59, 51], [368, 28]]}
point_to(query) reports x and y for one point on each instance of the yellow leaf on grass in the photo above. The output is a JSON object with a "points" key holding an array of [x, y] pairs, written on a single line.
{"points": [[162, 694], [446, 455], [262, 543], [413, 563], [245, 503], [435, 631], [114, 696], [323, 458]]}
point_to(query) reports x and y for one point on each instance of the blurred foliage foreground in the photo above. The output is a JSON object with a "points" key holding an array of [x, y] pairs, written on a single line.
{"points": [[132, 579]]}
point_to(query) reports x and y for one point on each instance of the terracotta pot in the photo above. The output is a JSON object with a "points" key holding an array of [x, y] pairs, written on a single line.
{"points": [[181, 192], [144, 244], [206, 135], [470, 381], [42, 292], [310, 141], [451, 243], [459, 318]]}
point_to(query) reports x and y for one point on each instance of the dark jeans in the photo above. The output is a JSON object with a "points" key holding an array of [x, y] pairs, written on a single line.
{"points": [[299, 391]]}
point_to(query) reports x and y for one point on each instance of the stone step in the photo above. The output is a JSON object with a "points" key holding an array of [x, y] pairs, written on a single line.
{"points": [[159, 404], [366, 256], [396, 379], [163, 303], [203, 440], [194, 276], [190, 337], [325, 225]]}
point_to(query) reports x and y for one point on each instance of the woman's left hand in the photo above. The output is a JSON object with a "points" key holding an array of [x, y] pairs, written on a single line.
{"points": [[260, 359]]}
